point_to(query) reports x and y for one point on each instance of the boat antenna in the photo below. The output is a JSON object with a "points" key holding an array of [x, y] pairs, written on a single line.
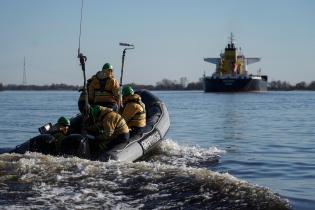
{"points": [[82, 60], [80, 28], [127, 47]]}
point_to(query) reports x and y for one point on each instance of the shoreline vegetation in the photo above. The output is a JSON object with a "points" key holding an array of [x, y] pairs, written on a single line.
{"points": [[165, 84]]}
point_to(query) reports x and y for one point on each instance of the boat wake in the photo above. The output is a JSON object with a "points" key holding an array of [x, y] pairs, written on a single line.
{"points": [[174, 177], [174, 154]]}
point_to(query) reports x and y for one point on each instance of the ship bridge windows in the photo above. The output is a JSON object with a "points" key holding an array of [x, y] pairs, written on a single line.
{"points": [[230, 47]]}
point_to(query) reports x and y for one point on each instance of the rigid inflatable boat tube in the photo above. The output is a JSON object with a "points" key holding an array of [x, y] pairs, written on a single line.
{"points": [[138, 148], [131, 153], [164, 123], [150, 141]]}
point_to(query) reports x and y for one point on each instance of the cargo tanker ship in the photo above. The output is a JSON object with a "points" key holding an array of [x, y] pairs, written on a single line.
{"points": [[231, 73]]}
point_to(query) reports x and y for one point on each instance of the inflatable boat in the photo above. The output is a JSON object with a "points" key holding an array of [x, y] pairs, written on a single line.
{"points": [[76, 144]]}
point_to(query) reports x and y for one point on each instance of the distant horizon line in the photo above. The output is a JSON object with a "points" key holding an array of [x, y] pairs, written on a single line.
{"points": [[165, 84], [8, 84]]}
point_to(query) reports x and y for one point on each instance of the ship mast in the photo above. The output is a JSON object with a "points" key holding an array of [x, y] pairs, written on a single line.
{"points": [[232, 38], [231, 43]]}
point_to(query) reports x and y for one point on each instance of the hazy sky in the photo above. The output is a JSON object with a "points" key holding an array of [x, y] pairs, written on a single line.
{"points": [[171, 38]]}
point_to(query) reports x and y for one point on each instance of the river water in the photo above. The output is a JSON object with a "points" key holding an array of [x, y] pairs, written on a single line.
{"points": [[223, 151]]}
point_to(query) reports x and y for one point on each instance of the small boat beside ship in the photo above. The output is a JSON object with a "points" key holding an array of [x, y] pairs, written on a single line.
{"points": [[231, 73]]}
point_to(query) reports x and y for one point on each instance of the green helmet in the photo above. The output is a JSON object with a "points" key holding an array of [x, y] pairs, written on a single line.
{"points": [[107, 66], [127, 90], [95, 111], [63, 121]]}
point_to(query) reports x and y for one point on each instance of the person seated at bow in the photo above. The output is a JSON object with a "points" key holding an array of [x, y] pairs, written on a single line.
{"points": [[60, 131], [103, 89], [52, 142], [133, 111], [108, 127]]}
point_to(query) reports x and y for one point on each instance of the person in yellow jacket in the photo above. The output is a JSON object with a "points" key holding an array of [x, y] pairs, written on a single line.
{"points": [[133, 111], [103, 88], [108, 127]]}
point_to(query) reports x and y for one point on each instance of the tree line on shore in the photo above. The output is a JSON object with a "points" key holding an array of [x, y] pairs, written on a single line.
{"points": [[39, 87], [164, 84], [286, 86]]}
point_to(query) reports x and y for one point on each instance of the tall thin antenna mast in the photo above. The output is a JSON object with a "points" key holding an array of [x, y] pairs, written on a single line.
{"points": [[232, 38], [24, 73], [80, 28]]}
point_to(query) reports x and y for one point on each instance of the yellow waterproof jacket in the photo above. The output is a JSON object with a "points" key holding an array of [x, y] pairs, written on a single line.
{"points": [[108, 125], [134, 111], [103, 88]]}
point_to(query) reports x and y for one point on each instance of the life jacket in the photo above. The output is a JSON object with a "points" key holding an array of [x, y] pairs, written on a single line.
{"points": [[110, 124], [102, 90], [134, 111]]}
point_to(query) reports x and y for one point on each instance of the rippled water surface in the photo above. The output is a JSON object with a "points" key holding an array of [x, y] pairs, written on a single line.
{"points": [[223, 151]]}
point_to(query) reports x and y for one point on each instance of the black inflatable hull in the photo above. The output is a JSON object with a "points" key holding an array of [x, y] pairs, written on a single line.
{"points": [[75, 144]]}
